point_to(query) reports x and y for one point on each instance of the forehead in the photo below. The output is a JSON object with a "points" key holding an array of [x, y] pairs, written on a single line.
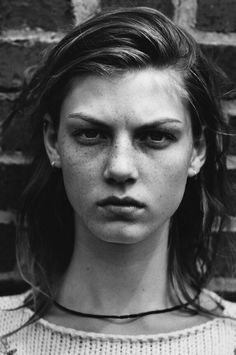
{"points": [[140, 94]]}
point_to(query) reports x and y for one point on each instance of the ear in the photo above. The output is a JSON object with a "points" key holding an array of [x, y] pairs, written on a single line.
{"points": [[198, 157], [50, 142]]}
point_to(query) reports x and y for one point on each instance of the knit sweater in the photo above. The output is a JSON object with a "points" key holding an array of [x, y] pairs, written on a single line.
{"points": [[215, 337]]}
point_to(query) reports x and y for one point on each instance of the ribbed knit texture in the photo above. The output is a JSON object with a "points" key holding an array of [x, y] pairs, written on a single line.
{"points": [[215, 337]]}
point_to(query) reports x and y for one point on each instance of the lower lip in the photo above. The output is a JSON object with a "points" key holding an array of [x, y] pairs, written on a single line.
{"points": [[122, 211]]}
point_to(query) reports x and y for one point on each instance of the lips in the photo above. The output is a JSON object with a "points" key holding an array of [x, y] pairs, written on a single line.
{"points": [[120, 202]]}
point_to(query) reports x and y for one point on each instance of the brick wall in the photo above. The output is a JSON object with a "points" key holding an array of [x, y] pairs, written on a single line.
{"points": [[27, 27]]}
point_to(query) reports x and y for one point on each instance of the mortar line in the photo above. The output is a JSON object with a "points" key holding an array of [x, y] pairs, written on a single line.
{"points": [[7, 217], [223, 284], [16, 158]]}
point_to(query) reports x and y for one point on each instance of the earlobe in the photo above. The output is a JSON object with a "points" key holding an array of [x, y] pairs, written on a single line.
{"points": [[198, 157], [50, 143], [192, 172]]}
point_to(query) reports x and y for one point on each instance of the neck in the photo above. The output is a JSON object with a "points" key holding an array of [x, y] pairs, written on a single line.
{"points": [[116, 278]]}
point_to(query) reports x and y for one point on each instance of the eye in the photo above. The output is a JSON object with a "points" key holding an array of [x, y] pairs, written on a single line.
{"points": [[89, 135], [156, 138]]}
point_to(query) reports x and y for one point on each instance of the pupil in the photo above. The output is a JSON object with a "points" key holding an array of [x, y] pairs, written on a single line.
{"points": [[91, 134], [156, 136]]}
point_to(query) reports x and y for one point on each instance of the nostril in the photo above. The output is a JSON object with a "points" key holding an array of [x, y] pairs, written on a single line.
{"points": [[119, 180], [120, 173]]}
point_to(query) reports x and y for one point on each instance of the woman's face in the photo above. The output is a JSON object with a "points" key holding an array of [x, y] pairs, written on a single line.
{"points": [[126, 149]]}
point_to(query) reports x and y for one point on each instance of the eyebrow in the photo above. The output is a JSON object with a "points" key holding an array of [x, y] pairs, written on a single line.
{"points": [[98, 123]]}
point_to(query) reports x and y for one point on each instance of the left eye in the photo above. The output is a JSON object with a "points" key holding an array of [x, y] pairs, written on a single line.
{"points": [[90, 133], [156, 137]]}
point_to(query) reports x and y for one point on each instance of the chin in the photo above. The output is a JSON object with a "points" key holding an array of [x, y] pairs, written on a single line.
{"points": [[121, 240], [122, 235]]}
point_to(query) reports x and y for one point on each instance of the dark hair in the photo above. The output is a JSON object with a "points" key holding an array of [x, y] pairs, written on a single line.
{"points": [[115, 42]]}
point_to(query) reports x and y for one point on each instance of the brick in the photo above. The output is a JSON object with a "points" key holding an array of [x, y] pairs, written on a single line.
{"points": [[6, 104], [231, 174], [224, 57], [164, 6], [47, 14], [229, 296], [12, 287], [11, 139], [11, 283], [216, 15], [15, 57], [7, 247], [230, 196], [12, 182], [17, 135], [232, 122]]}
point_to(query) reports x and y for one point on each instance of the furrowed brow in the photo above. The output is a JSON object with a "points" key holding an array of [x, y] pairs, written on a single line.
{"points": [[87, 118], [161, 122], [146, 126]]}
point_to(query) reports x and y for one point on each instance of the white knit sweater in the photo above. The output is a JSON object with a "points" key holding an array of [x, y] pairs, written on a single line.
{"points": [[215, 337]]}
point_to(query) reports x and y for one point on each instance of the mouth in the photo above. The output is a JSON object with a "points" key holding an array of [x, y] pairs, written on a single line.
{"points": [[126, 208], [121, 202]]}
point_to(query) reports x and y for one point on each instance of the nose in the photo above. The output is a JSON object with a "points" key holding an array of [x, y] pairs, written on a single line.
{"points": [[121, 164]]}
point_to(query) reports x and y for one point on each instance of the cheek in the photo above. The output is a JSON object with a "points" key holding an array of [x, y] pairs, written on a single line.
{"points": [[169, 179], [79, 174], [177, 172], [172, 167]]}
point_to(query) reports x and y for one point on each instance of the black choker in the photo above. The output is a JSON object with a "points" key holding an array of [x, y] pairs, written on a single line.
{"points": [[135, 315]]}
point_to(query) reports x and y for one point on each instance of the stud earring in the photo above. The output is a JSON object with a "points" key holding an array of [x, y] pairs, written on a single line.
{"points": [[53, 164], [194, 171]]}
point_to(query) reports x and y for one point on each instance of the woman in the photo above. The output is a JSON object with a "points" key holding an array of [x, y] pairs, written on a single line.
{"points": [[128, 147]]}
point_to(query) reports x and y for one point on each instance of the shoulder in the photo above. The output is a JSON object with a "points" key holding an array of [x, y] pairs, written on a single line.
{"points": [[13, 301], [12, 313]]}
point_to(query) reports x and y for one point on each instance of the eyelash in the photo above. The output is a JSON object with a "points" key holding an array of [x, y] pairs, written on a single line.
{"points": [[169, 137], [101, 136]]}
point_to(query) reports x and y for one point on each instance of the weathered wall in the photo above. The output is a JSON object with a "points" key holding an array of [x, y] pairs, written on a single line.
{"points": [[27, 27]]}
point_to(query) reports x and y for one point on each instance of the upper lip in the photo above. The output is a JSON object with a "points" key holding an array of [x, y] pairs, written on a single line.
{"points": [[125, 201]]}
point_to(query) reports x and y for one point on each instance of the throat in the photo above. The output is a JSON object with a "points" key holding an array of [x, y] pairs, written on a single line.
{"points": [[116, 279]]}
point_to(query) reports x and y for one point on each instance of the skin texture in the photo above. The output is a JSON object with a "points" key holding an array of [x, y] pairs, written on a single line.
{"points": [[119, 264]]}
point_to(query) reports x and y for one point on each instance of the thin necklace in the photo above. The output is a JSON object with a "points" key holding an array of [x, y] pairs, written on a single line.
{"points": [[125, 316]]}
